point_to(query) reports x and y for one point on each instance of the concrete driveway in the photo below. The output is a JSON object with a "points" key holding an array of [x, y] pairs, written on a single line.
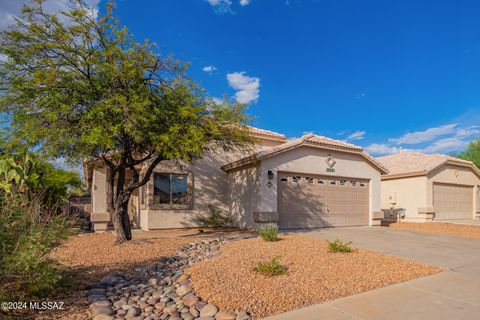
{"points": [[468, 222], [451, 294]]}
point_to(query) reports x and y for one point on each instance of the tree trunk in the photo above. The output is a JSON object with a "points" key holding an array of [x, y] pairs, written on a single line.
{"points": [[121, 221]]}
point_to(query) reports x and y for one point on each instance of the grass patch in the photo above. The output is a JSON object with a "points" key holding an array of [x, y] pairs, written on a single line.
{"points": [[271, 268], [339, 246], [268, 233]]}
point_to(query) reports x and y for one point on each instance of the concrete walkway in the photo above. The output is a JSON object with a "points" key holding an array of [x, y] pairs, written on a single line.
{"points": [[452, 294]]}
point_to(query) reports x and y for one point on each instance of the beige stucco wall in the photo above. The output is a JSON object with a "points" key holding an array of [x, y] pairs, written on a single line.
{"points": [[310, 160], [409, 194], [415, 194], [452, 174], [210, 186], [243, 195]]}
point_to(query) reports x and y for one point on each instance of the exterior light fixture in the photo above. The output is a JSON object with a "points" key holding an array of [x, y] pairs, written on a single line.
{"points": [[270, 174]]}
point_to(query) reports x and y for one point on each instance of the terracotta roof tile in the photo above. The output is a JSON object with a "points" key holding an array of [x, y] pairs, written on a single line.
{"points": [[266, 133], [331, 142], [413, 162]]}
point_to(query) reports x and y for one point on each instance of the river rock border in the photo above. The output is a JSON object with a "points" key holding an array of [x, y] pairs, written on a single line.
{"points": [[160, 291]]}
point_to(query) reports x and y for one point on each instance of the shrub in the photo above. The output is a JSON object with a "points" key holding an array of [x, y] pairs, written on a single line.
{"points": [[215, 219], [271, 268], [29, 230], [268, 233], [339, 246]]}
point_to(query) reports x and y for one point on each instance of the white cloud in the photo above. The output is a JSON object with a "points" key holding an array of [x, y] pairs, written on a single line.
{"points": [[424, 136], [221, 6], [244, 2], [357, 135], [13, 8], [248, 88], [381, 149], [209, 69], [445, 145], [468, 132], [217, 100]]}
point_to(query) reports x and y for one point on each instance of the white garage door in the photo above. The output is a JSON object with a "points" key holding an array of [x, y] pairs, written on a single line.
{"points": [[308, 201], [452, 201]]}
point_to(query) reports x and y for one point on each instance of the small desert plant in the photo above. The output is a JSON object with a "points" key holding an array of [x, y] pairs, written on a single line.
{"points": [[268, 233], [339, 246], [215, 219], [271, 268]]}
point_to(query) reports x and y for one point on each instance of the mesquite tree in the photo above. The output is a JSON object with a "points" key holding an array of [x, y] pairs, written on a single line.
{"points": [[76, 85]]}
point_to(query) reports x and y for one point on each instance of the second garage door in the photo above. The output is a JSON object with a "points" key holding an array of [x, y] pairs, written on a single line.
{"points": [[309, 201], [452, 201]]}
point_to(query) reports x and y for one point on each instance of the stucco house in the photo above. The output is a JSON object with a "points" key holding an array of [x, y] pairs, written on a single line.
{"points": [[423, 187], [312, 181]]}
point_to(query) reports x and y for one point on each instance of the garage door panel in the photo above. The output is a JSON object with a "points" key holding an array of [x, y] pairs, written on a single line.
{"points": [[306, 201], [452, 201]]}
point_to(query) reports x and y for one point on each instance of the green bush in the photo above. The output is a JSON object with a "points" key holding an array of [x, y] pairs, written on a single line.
{"points": [[339, 246], [268, 233], [29, 230], [215, 219], [271, 268]]}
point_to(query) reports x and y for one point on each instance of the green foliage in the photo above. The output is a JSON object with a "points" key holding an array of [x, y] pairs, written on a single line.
{"points": [[88, 89], [271, 268], [215, 219], [268, 233], [29, 173], [472, 153], [29, 230], [339, 246]]}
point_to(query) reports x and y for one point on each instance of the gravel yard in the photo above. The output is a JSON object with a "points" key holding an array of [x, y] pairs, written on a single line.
{"points": [[457, 230], [314, 274], [93, 256]]}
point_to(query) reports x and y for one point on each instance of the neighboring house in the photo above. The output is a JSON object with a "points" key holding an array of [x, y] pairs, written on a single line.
{"points": [[307, 182], [430, 186]]}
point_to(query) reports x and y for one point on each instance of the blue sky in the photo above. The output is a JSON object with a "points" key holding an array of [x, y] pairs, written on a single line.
{"points": [[382, 74]]}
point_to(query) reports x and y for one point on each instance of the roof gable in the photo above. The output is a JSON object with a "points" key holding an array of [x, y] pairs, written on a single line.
{"points": [[408, 164], [307, 140]]}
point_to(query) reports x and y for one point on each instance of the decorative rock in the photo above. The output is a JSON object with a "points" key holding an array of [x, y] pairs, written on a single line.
{"points": [[194, 311], [208, 311], [242, 315], [183, 277], [103, 317], [118, 304], [187, 316], [101, 310], [190, 299], [159, 291], [170, 309], [183, 290], [133, 312], [225, 315], [200, 304], [101, 303], [160, 306]]}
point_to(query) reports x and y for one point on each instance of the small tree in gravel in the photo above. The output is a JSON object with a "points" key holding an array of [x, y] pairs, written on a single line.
{"points": [[76, 86]]}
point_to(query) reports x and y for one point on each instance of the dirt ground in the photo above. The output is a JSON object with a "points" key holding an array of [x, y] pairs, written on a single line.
{"points": [[314, 274], [457, 230], [89, 257]]}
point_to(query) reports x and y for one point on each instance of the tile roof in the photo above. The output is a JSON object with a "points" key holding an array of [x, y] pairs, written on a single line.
{"points": [[331, 142], [266, 133], [309, 139], [405, 163]]}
